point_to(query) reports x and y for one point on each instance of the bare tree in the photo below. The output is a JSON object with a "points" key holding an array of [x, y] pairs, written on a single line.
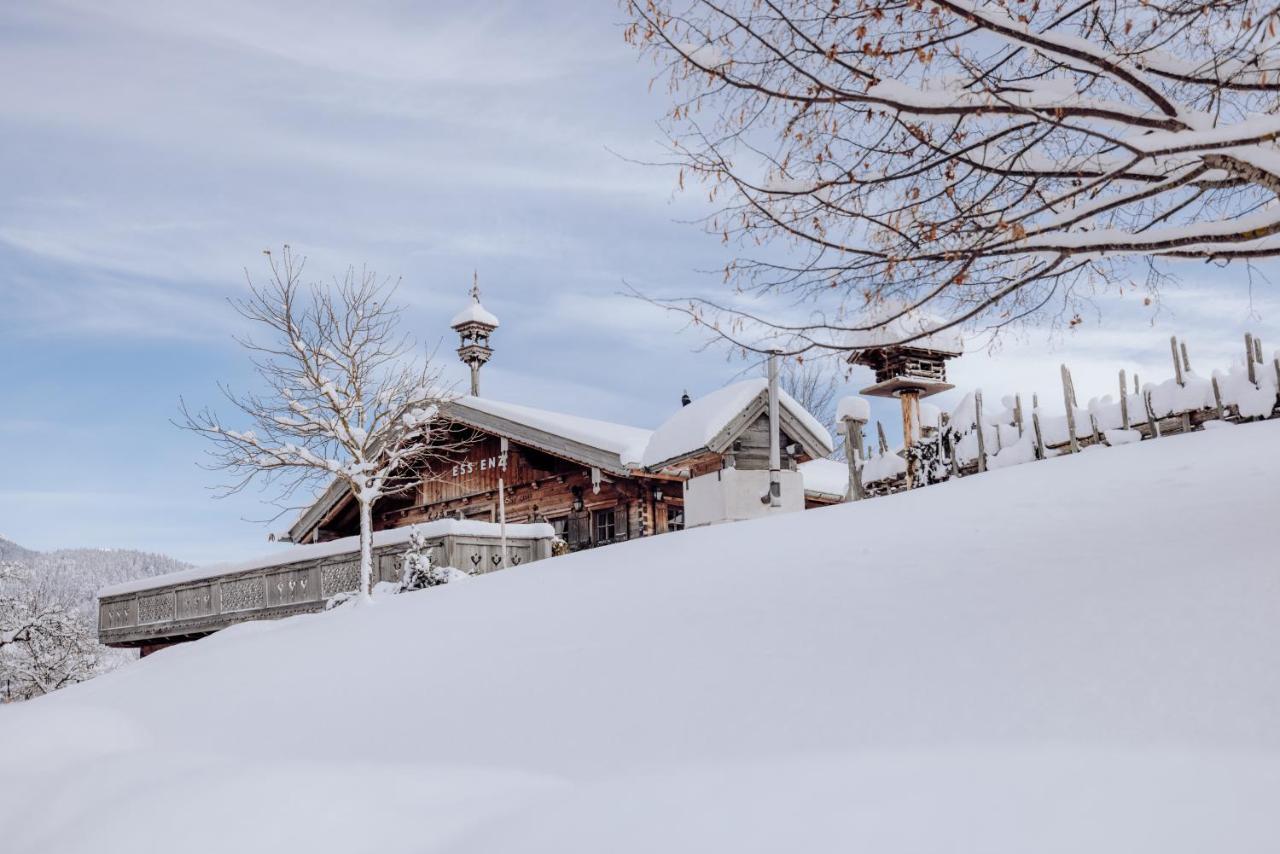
{"points": [[980, 161], [343, 396], [815, 386], [44, 644]]}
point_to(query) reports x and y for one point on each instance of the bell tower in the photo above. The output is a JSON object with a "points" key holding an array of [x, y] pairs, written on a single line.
{"points": [[474, 324]]}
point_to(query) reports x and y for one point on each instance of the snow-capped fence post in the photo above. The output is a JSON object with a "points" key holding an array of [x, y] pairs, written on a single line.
{"points": [[1186, 362], [884, 442], [1248, 358], [1017, 413], [1124, 401], [1257, 349], [982, 442], [1217, 397], [1177, 362], [854, 413], [1035, 425], [1151, 415], [1069, 397]]}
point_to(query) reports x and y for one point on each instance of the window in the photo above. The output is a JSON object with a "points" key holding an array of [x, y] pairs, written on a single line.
{"points": [[603, 525], [561, 527], [675, 517], [478, 514]]}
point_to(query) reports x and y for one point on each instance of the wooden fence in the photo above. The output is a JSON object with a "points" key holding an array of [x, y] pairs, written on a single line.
{"points": [[977, 436]]}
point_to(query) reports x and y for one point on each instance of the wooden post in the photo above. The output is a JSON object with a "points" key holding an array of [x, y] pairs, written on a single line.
{"points": [[1248, 358], [1069, 398], [1097, 434], [1035, 425], [1137, 386], [982, 442], [1186, 363], [1017, 413], [1177, 362], [1217, 397], [1124, 401], [852, 451], [884, 443], [1151, 416], [948, 447], [910, 399], [1257, 350]]}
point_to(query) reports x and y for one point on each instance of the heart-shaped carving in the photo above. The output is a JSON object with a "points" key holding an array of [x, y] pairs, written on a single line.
{"points": [[475, 559], [497, 559], [515, 560]]}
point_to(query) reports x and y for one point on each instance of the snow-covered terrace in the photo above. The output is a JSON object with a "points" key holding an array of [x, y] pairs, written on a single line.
{"points": [[296, 579]]}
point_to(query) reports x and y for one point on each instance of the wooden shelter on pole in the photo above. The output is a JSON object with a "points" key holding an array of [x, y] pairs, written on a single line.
{"points": [[909, 359]]}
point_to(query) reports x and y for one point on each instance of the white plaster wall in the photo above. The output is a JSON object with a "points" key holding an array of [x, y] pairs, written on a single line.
{"points": [[731, 495]]}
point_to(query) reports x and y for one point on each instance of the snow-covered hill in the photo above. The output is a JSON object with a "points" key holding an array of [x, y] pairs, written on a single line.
{"points": [[1081, 655], [12, 552], [73, 576]]}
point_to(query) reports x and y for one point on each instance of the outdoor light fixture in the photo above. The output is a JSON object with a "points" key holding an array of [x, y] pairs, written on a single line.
{"points": [[577, 499], [657, 493]]}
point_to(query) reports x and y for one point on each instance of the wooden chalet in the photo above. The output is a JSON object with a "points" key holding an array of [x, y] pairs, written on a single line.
{"points": [[595, 482], [580, 475]]}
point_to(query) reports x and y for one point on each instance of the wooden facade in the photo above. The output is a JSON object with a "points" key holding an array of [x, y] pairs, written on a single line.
{"points": [[578, 475], [587, 506]]}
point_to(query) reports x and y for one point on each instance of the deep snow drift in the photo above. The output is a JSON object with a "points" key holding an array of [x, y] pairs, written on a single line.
{"points": [[1076, 655]]}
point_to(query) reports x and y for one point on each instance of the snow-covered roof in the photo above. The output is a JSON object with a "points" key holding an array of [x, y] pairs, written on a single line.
{"points": [[625, 441], [474, 313], [613, 447], [909, 326], [696, 426], [826, 477], [313, 551]]}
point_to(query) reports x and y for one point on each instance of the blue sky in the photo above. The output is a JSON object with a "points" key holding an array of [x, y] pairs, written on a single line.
{"points": [[150, 150]]}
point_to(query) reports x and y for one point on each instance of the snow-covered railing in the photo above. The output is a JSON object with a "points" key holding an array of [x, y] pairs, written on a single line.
{"points": [[301, 579], [976, 435]]}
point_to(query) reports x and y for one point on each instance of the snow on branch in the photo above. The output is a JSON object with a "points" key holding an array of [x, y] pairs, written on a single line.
{"points": [[980, 159], [342, 397]]}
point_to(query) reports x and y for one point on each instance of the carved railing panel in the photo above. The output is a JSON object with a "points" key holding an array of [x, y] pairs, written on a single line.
{"points": [[291, 586], [339, 578], [195, 602], [243, 594], [155, 608]]}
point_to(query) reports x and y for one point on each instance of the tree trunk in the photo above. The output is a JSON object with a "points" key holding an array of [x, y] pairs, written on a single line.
{"points": [[366, 549]]}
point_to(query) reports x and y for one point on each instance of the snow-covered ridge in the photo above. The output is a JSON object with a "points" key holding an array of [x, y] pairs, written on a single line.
{"points": [[627, 442], [693, 426], [686, 430], [344, 545]]}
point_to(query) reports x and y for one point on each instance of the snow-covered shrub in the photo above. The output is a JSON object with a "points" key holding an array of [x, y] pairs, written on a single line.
{"points": [[419, 571]]}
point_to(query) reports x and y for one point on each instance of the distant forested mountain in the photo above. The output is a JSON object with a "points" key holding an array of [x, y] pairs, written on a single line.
{"points": [[73, 576]]}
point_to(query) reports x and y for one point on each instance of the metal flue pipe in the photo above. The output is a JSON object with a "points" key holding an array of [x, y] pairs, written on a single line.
{"points": [[775, 438]]}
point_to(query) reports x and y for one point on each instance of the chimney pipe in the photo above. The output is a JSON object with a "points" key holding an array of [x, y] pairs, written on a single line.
{"points": [[774, 498]]}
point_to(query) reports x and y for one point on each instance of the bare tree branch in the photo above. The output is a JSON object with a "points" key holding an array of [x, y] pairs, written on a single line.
{"points": [[963, 159]]}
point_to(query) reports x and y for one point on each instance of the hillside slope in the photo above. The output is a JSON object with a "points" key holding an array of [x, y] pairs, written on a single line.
{"points": [[1077, 655], [73, 576]]}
